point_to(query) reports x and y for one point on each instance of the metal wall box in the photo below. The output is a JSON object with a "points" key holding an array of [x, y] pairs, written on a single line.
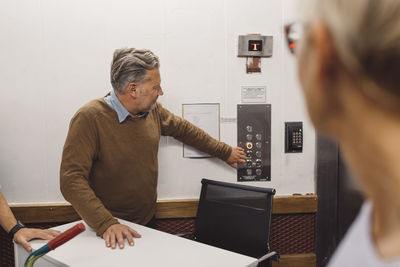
{"points": [[254, 136], [255, 46]]}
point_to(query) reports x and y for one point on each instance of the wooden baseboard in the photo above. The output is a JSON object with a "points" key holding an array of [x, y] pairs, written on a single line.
{"points": [[182, 208], [296, 260], [45, 213]]}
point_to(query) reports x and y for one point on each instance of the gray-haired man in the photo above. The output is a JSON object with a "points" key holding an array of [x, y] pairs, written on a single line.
{"points": [[109, 164]]}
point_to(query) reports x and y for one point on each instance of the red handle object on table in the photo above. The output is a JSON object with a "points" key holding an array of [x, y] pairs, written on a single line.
{"points": [[66, 236], [54, 243]]}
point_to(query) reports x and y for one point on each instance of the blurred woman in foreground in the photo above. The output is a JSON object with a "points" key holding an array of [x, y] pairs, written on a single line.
{"points": [[349, 69]]}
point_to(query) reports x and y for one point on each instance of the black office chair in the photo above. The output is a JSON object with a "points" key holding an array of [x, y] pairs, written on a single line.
{"points": [[235, 217]]}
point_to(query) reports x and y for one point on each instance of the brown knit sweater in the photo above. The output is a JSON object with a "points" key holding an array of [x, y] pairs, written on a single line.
{"points": [[109, 169]]}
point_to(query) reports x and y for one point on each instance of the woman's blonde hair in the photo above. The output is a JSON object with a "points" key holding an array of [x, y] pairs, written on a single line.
{"points": [[366, 35]]}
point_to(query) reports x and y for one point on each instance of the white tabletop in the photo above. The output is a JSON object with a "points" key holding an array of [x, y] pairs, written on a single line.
{"points": [[154, 248]]}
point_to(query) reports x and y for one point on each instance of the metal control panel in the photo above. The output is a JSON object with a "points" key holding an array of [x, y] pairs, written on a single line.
{"points": [[254, 136]]}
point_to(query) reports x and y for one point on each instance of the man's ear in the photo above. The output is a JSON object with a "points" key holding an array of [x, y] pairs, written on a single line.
{"points": [[132, 89], [326, 56]]}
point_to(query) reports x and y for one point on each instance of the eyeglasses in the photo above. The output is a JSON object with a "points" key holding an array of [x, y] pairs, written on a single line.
{"points": [[293, 33]]}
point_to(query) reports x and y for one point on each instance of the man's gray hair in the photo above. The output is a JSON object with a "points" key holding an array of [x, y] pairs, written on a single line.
{"points": [[131, 65]]}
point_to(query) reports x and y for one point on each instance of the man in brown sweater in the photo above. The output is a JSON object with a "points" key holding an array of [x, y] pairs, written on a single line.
{"points": [[109, 164]]}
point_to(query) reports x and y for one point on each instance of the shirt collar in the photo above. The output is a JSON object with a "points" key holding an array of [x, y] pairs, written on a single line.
{"points": [[113, 101]]}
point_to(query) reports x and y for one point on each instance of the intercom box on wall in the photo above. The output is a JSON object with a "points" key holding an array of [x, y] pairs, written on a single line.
{"points": [[293, 137], [254, 136]]}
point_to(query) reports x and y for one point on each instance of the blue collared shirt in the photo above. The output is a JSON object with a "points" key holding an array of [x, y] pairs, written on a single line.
{"points": [[113, 101]]}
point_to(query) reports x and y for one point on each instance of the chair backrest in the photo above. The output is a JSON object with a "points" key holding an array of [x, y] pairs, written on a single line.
{"points": [[234, 217]]}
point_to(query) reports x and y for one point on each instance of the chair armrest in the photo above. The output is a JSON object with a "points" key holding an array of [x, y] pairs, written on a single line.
{"points": [[270, 255], [184, 234]]}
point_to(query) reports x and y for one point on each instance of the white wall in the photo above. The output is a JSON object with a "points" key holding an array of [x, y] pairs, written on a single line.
{"points": [[55, 56]]}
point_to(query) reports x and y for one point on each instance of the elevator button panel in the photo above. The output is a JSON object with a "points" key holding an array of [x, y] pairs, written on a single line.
{"points": [[254, 136]]}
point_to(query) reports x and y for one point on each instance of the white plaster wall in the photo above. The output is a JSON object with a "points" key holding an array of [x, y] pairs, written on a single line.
{"points": [[55, 57]]}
